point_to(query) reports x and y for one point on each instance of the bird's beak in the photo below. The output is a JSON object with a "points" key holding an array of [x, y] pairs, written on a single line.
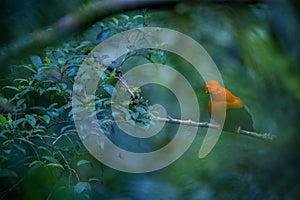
{"points": [[206, 90]]}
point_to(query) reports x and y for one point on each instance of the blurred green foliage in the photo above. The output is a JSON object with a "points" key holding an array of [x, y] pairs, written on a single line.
{"points": [[41, 156]]}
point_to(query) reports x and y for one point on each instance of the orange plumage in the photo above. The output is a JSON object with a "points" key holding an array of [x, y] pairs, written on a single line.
{"points": [[237, 115]]}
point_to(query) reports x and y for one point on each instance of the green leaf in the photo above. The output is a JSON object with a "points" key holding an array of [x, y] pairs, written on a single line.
{"points": [[63, 129], [57, 165], [83, 162], [21, 80], [47, 60], [36, 162], [48, 67], [63, 86], [71, 71], [46, 118], [126, 17], [115, 20], [27, 141], [30, 68], [61, 61], [52, 106], [93, 179], [8, 151], [23, 124], [103, 35], [20, 102], [144, 121], [83, 44], [109, 88], [2, 135], [141, 110], [38, 108], [8, 173], [3, 101], [54, 88], [7, 142], [36, 61], [31, 120], [135, 115], [44, 148], [112, 74], [137, 17], [50, 159], [81, 187], [18, 121], [11, 88], [20, 148], [2, 120]]}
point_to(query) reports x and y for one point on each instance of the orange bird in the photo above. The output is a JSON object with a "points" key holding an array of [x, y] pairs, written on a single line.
{"points": [[237, 115]]}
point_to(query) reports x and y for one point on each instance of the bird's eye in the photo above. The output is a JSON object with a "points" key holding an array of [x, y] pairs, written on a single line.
{"points": [[219, 91]]}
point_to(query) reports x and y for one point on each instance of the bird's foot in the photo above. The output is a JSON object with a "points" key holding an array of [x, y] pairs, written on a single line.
{"points": [[220, 127], [238, 130]]}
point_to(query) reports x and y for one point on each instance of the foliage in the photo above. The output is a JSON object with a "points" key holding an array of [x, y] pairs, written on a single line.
{"points": [[38, 133]]}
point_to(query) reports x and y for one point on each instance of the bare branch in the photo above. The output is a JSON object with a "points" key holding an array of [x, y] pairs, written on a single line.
{"points": [[264, 136], [132, 95], [185, 122]]}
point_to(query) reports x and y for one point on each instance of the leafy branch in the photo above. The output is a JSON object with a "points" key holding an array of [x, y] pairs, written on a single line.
{"points": [[83, 17]]}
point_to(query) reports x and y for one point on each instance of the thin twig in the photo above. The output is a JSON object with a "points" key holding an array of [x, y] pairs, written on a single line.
{"points": [[66, 135], [264, 136], [11, 188], [71, 170], [57, 123], [127, 87], [186, 122]]}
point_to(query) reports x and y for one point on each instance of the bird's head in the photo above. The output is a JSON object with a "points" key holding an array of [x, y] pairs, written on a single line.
{"points": [[211, 86], [215, 90], [219, 93]]}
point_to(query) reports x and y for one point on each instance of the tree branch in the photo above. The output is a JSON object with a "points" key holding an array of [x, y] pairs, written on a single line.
{"points": [[84, 17], [264, 136], [132, 95], [73, 22]]}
